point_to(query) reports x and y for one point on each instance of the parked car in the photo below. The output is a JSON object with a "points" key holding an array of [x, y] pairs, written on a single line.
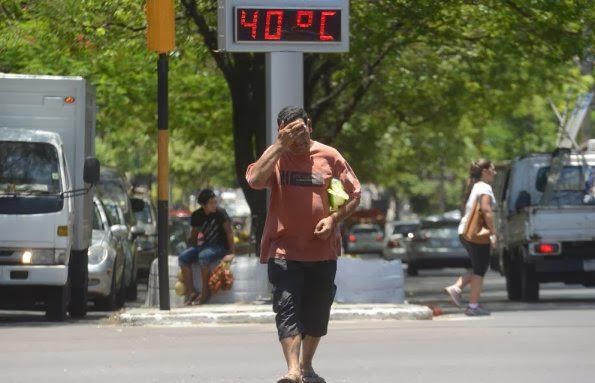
{"points": [[126, 242], [179, 230], [106, 262], [364, 238], [436, 245], [397, 242], [146, 244]]}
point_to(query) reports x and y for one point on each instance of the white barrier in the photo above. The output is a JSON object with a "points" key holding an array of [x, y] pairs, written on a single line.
{"points": [[369, 280], [250, 282], [358, 280]]}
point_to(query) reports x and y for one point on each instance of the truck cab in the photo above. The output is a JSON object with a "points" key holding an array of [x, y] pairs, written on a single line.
{"points": [[545, 240], [47, 170]]}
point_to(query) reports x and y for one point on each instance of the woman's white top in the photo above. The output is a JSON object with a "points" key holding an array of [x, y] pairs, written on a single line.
{"points": [[479, 188]]}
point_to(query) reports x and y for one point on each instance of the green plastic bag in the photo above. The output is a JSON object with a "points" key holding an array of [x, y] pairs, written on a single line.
{"points": [[336, 194]]}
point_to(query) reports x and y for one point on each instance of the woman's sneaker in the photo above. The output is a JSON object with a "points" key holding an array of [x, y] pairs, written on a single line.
{"points": [[454, 294], [476, 312]]}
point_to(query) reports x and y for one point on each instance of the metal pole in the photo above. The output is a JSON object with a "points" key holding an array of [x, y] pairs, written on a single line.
{"points": [[162, 181], [284, 86]]}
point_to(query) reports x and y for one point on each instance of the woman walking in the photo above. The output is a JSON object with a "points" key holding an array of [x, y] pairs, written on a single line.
{"points": [[481, 175]]}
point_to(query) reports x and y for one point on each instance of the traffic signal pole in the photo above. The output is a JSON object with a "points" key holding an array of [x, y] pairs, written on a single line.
{"points": [[161, 39], [162, 181]]}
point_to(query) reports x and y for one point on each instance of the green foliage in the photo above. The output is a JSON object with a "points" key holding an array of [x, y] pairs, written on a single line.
{"points": [[427, 86]]}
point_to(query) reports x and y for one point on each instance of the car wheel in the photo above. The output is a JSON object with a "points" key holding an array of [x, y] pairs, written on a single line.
{"points": [[132, 291], [512, 273], [121, 294], [529, 283], [108, 303], [412, 269]]}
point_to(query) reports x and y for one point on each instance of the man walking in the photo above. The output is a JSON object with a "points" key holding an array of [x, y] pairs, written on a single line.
{"points": [[301, 239]]}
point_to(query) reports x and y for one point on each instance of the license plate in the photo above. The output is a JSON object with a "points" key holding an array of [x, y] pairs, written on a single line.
{"points": [[589, 264]]}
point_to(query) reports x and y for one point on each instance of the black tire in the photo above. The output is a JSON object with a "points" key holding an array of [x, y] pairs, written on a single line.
{"points": [[530, 284], [132, 291], [56, 303], [79, 283], [412, 269], [512, 273], [121, 294], [108, 303], [78, 303]]}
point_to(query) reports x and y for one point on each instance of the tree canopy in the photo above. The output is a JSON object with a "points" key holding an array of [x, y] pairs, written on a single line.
{"points": [[426, 87]]}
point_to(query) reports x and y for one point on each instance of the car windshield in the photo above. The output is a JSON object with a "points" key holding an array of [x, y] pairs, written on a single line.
{"points": [[97, 225], [29, 168], [111, 209], [144, 215], [575, 185]]}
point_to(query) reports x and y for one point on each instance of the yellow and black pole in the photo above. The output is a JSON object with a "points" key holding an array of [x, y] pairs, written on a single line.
{"points": [[161, 39]]}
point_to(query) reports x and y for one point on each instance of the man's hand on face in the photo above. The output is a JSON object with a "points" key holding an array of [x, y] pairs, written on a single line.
{"points": [[291, 131], [324, 228]]}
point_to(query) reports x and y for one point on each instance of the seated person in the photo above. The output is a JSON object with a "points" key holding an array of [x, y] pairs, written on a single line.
{"points": [[210, 240]]}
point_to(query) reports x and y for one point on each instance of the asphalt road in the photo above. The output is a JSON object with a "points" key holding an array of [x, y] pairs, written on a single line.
{"points": [[550, 341], [427, 289], [520, 346]]}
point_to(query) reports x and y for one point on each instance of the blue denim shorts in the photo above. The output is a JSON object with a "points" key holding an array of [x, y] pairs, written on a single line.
{"points": [[204, 254]]}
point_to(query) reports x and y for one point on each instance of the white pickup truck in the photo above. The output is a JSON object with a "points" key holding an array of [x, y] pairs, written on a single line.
{"points": [[545, 239], [47, 168]]}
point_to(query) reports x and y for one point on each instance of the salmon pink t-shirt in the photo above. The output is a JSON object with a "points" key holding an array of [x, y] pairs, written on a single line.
{"points": [[299, 200]]}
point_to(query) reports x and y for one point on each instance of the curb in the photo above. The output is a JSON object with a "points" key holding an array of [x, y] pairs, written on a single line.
{"points": [[261, 314]]}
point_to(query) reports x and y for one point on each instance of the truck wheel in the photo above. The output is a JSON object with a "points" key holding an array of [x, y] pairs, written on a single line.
{"points": [[78, 302], [412, 269], [512, 272], [108, 303], [530, 285], [79, 284], [56, 302]]}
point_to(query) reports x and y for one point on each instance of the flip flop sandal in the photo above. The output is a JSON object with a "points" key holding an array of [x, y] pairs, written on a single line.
{"points": [[289, 379], [199, 301], [191, 298], [312, 377]]}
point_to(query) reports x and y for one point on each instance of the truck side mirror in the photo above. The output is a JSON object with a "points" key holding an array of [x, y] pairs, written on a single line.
{"points": [[137, 204], [91, 170]]}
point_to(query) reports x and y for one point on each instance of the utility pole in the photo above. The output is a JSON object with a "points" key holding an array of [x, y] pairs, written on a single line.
{"points": [[161, 39]]}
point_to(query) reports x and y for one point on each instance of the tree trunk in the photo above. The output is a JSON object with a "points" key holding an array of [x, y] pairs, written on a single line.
{"points": [[249, 130]]}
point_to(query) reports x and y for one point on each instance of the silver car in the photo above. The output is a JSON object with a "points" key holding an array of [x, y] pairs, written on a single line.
{"points": [[436, 245], [106, 263], [397, 243], [364, 238]]}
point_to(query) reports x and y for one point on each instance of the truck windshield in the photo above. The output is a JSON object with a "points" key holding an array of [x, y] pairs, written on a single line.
{"points": [[575, 185], [29, 178]]}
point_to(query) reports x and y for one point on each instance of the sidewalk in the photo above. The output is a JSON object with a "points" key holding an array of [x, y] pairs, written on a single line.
{"points": [[260, 313]]}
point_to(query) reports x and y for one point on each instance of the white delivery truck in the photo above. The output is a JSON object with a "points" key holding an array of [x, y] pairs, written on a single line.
{"points": [[545, 216], [47, 169]]}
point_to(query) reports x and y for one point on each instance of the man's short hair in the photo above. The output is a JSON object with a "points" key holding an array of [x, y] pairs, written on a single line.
{"points": [[205, 195], [291, 113]]}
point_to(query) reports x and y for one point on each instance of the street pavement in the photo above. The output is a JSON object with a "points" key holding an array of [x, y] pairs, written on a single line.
{"points": [[548, 341], [511, 346]]}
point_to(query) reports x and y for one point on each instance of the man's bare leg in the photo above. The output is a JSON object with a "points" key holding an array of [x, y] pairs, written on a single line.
{"points": [[291, 350], [309, 346], [188, 282], [204, 282]]}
